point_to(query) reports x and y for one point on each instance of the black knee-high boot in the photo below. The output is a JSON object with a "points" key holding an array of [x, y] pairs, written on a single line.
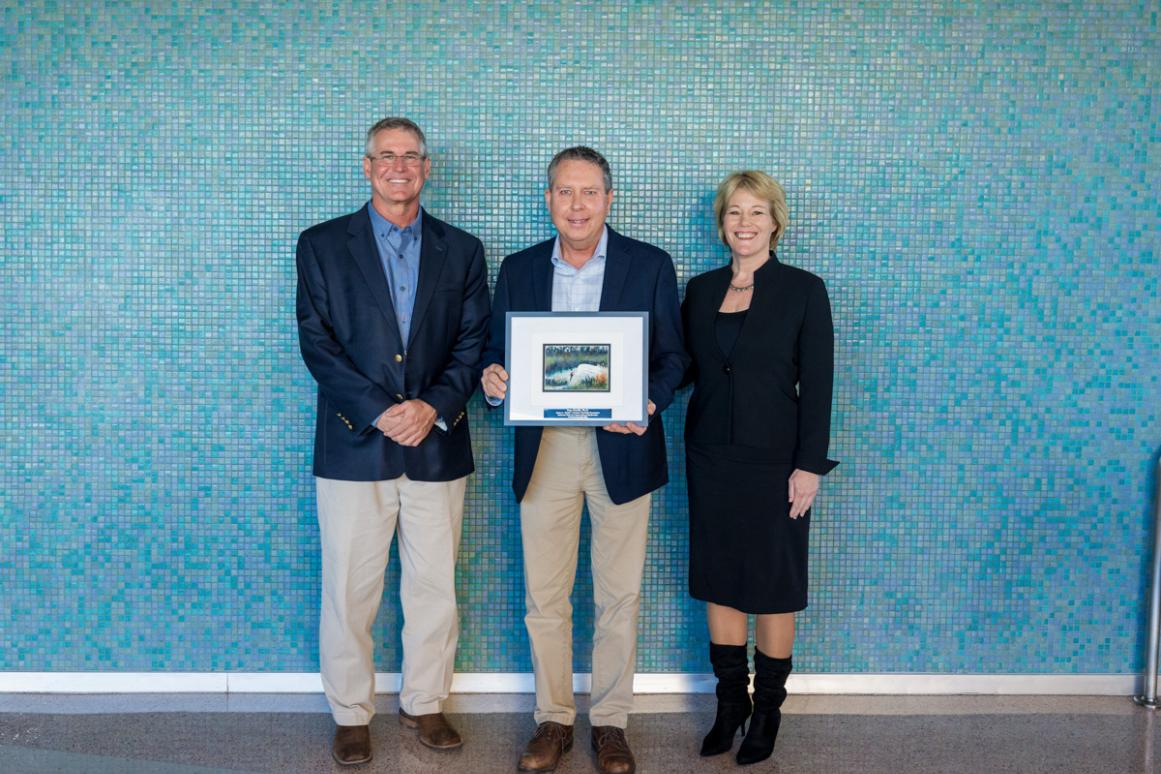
{"points": [[733, 673], [769, 692]]}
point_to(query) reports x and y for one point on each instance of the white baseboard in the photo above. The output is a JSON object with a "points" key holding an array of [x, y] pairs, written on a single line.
{"points": [[517, 682]]}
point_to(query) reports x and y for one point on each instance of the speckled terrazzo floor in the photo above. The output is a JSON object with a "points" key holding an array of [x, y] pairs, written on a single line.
{"points": [[862, 734]]}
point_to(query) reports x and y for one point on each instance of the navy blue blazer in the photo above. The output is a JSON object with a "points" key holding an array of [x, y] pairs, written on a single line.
{"points": [[638, 278], [352, 345]]}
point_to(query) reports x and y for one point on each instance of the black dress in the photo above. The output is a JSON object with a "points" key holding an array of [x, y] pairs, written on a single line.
{"points": [[760, 409]]}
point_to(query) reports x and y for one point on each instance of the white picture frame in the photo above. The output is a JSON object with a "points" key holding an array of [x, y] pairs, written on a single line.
{"points": [[576, 368]]}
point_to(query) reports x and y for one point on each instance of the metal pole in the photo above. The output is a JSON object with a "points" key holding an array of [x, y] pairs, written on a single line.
{"points": [[1149, 698]]}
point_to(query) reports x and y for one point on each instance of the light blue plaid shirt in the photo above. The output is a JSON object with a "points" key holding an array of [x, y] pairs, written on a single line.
{"points": [[579, 290]]}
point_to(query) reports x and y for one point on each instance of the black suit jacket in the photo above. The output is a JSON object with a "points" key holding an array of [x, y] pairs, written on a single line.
{"points": [[353, 348], [773, 393], [638, 278]]}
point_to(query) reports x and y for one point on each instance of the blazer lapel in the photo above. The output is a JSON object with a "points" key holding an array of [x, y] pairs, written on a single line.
{"points": [[542, 272], [711, 301], [361, 244], [766, 299], [617, 260], [432, 256]]}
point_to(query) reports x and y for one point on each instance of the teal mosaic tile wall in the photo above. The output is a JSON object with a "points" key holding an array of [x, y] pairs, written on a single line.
{"points": [[977, 183]]}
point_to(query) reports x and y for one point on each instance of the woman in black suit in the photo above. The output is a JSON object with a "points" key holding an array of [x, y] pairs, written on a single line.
{"points": [[762, 346]]}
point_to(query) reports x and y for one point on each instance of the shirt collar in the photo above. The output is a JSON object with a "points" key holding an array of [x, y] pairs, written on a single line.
{"points": [[598, 255], [381, 225]]}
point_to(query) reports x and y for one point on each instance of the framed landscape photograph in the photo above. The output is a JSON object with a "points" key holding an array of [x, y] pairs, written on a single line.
{"points": [[576, 368]]}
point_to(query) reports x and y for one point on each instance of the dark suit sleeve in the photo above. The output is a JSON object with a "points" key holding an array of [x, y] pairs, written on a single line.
{"points": [[498, 328], [340, 381], [449, 393], [667, 358], [690, 375], [815, 383]]}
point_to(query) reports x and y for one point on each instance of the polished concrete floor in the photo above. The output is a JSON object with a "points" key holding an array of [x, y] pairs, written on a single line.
{"points": [[184, 734]]}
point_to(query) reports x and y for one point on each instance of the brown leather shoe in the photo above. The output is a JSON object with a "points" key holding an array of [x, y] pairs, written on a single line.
{"points": [[434, 730], [544, 749], [352, 745], [613, 753]]}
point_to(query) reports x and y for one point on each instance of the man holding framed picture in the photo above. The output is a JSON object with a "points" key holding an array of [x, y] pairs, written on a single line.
{"points": [[588, 267]]}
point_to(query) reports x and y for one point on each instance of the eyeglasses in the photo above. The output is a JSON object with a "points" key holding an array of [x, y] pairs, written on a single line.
{"points": [[389, 158]]}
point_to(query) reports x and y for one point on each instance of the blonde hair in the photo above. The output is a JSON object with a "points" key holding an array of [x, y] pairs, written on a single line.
{"points": [[764, 187]]}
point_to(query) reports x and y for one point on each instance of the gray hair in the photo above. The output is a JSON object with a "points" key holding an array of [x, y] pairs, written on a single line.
{"points": [[397, 122], [581, 153]]}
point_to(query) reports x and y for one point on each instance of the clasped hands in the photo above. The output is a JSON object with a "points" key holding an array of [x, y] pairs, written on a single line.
{"points": [[407, 423], [495, 383]]}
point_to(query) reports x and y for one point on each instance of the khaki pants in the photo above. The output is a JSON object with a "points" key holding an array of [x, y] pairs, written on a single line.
{"points": [[357, 520], [568, 473]]}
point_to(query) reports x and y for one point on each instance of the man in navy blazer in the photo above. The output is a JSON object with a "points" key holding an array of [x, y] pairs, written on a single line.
{"points": [[392, 317], [587, 267]]}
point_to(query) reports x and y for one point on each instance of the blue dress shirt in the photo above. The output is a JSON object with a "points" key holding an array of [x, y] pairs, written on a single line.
{"points": [[399, 254]]}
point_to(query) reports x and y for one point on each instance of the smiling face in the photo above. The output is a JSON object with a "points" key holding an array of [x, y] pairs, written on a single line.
{"points": [[395, 185], [579, 204], [748, 224]]}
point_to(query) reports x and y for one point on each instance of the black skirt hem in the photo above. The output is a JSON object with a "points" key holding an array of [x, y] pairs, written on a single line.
{"points": [[740, 608]]}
